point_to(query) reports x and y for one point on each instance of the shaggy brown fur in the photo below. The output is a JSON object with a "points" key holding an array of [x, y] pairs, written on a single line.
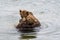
{"points": [[27, 20]]}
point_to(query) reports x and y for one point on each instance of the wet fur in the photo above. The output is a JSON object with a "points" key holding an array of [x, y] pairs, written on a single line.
{"points": [[27, 20]]}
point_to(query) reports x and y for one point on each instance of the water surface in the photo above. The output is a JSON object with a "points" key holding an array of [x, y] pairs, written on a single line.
{"points": [[47, 12]]}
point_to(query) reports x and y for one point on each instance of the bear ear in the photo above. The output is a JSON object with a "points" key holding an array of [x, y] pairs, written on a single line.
{"points": [[20, 10], [27, 13], [31, 13]]}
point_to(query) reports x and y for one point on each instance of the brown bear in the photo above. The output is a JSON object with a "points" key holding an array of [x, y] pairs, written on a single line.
{"points": [[25, 13], [27, 20]]}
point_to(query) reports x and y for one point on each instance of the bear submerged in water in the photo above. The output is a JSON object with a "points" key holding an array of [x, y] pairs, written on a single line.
{"points": [[27, 20]]}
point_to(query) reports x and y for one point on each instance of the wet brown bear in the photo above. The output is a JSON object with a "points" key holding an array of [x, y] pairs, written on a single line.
{"points": [[27, 20]]}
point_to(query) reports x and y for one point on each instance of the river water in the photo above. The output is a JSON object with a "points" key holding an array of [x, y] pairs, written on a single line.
{"points": [[46, 11]]}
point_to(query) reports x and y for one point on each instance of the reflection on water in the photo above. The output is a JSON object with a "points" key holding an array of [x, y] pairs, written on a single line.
{"points": [[28, 30], [28, 34]]}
